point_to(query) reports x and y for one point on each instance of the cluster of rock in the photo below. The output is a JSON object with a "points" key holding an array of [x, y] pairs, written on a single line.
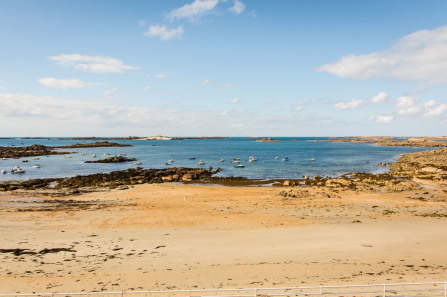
{"points": [[113, 180], [115, 159], [263, 139], [134, 176], [27, 151], [392, 141], [93, 144]]}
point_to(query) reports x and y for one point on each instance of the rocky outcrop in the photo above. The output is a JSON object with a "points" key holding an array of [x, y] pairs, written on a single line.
{"points": [[267, 140], [115, 159], [27, 151], [93, 144]]}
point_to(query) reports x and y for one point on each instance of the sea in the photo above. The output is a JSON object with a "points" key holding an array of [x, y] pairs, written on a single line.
{"points": [[306, 157]]}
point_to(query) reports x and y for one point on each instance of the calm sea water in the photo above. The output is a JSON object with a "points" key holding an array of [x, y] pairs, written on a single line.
{"points": [[330, 157]]}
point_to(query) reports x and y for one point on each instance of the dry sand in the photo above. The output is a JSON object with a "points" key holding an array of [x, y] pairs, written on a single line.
{"points": [[175, 236]]}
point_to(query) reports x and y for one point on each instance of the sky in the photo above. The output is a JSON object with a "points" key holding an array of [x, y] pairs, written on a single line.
{"points": [[223, 68]]}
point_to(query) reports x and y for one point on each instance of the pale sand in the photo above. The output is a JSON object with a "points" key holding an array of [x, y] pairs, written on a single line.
{"points": [[174, 236]]}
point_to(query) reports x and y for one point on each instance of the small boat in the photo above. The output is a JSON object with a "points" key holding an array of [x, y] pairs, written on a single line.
{"points": [[312, 159], [106, 154], [138, 163], [200, 163], [17, 169], [36, 166], [285, 159], [93, 155], [222, 160], [35, 158], [122, 155], [276, 158], [68, 156], [4, 159], [25, 161], [192, 158], [236, 162], [169, 163], [252, 159], [239, 166], [82, 154], [3, 171]]}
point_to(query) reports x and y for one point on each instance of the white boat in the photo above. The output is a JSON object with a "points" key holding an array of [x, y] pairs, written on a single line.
{"points": [[4, 159], [36, 166], [17, 169], [239, 166], [35, 158], [169, 163], [200, 163], [252, 159], [3, 171], [93, 155], [236, 162], [68, 156], [313, 158], [222, 160], [285, 159], [138, 163], [82, 154]]}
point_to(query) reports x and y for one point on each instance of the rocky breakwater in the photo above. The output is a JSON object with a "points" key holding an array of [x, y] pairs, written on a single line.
{"points": [[115, 159], [27, 151], [122, 179], [263, 139]]}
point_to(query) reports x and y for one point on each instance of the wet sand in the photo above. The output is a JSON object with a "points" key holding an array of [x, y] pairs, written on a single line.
{"points": [[175, 236]]}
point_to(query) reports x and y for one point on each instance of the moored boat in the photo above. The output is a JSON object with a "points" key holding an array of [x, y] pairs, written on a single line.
{"points": [[239, 166], [200, 163]]}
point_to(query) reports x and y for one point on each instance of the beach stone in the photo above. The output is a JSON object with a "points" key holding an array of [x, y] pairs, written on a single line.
{"points": [[176, 177], [286, 183], [187, 177], [168, 178], [431, 169]]}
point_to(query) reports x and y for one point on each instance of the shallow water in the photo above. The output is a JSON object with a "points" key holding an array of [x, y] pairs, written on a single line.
{"points": [[330, 157]]}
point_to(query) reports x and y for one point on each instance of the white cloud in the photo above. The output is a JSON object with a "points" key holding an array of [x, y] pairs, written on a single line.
{"points": [[147, 88], [205, 82], [384, 119], [298, 106], [353, 104], [163, 32], [95, 64], [108, 92], [161, 75], [420, 56], [433, 109], [407, 105], [194, 10], [379, 98], [234, 100], [238, 7], [64, 84], [224, 113]]}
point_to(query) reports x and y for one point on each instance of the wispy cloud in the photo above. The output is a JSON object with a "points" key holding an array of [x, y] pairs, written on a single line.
{"points": [[410, 106], [420, 56], [71, 83], [95, 64], [238, 7], [234, 100], [161, 75], [353, 104], [164, 32], [384, 119], [194, 10]]}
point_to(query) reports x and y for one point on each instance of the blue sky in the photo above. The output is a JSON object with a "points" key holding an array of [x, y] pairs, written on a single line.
{"points": [[223, 67]]}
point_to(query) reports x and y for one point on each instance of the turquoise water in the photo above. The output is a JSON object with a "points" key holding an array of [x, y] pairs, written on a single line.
{"points": [[330, 157]]}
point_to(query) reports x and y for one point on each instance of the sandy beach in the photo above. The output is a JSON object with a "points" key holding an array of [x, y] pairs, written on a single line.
{"points": [[176, 236]]}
